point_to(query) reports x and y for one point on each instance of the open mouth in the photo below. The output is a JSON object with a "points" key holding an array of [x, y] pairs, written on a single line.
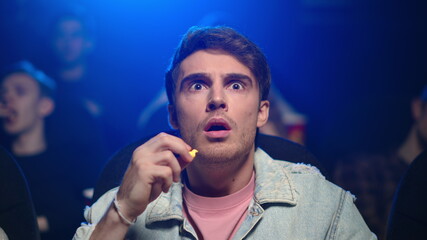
{"points": [[217, 128], [9, 115], [217, 124]]}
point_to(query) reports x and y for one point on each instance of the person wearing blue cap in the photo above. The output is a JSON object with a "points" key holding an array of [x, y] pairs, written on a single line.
{"points": [[26, 100]]}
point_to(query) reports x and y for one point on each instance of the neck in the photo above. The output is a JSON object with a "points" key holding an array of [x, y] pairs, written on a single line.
{"points": [[411, 147], [31, 142], [72, 73], [222, 180]]}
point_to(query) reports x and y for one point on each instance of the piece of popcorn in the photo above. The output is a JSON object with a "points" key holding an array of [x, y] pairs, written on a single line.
{"points": [[193, 152]]}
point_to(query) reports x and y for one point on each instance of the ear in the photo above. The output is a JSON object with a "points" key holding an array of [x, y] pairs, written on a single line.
{"points": [[46, 106], [416, 108], [173, 121], [264, 109]]}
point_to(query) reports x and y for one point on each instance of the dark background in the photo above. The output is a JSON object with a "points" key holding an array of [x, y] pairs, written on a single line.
{"points": [[351, 66]]}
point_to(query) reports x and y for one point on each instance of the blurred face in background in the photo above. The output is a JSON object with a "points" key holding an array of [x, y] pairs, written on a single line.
{"points": [[22, 108], [70, 41], [420, 115]]}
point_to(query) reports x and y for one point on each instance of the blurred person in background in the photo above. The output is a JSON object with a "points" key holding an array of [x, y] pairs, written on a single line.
{"points": [[55, 173], [17, 215], [72, 42], [373, 178], [86, 91], [77, 120]]}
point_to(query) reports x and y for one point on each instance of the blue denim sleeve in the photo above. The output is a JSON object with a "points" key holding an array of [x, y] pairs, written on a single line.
{"points": [[347, 222]]}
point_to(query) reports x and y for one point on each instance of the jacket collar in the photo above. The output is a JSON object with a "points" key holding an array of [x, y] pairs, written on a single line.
{"points": [[167, 206], [273, 181]]}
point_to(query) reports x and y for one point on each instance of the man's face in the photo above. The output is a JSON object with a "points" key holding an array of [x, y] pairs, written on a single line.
{"points": [[20, 103], [70, 43], [217, 105]]}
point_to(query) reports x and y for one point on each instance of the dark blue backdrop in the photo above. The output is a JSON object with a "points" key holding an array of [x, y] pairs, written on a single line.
{"points": [[350, 66]]}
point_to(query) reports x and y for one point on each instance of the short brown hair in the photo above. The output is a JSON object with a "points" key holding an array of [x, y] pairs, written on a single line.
{"points": [[225, 39]]}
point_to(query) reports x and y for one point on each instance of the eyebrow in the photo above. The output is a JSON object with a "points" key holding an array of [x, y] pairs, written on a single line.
{"points": [[238, 76], [192, 77]]}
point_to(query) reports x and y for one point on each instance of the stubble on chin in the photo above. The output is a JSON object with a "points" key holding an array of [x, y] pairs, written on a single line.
{"points": [[219, 155]]}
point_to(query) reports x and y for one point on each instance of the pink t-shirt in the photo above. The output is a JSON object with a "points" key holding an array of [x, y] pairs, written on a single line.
{"points": [[218, 217]]}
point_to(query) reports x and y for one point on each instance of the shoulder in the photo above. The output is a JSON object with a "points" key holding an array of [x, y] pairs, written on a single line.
{"points": [[305, 180], [268, 164], [336, 205], [312, 185], [300, 173], [311, 200]]}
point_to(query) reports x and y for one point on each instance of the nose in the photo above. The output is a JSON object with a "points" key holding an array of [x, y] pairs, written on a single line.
{"points": [[217, 100]]}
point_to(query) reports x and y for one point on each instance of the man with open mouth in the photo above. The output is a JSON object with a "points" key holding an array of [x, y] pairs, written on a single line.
{"points": [[217, 86], [27, 99]]}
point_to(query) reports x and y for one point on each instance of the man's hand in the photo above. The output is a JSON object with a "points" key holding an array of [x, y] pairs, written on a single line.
{"points": [[154, 166]]}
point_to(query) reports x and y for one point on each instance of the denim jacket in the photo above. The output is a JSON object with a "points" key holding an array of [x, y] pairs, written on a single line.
{"points": [[291, 201]]}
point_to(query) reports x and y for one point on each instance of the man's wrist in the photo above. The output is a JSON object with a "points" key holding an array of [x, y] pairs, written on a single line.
{"points": [[123, 218], [111, 226]]}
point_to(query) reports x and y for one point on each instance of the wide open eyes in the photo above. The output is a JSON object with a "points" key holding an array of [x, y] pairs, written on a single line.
{"points": [[197, 86], [236, 86]]}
